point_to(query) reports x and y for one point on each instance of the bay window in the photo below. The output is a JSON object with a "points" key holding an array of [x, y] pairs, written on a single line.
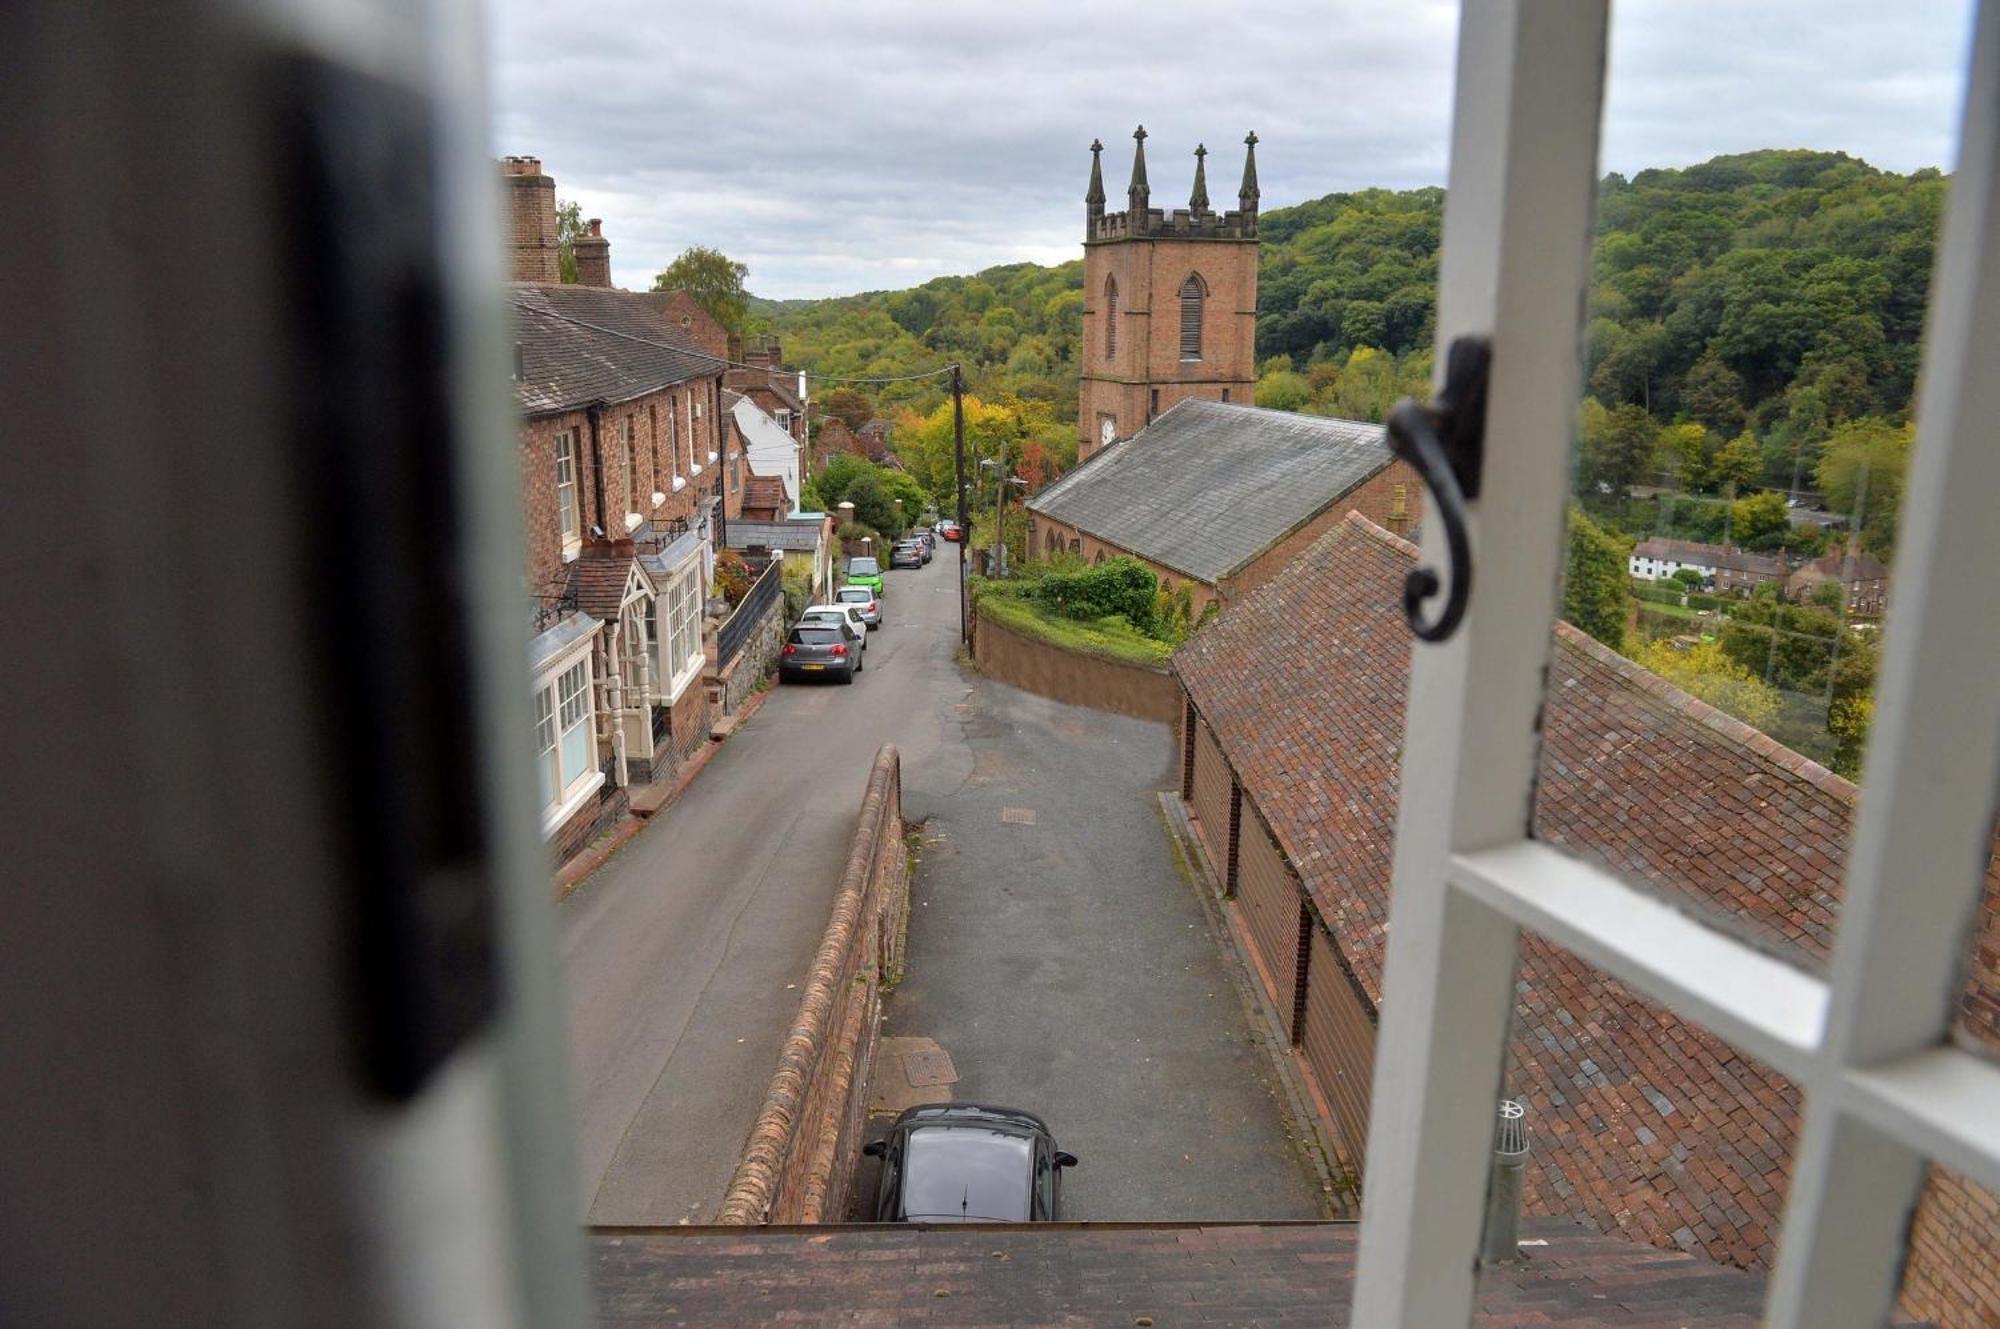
{"points": [[678, 634], [565, 739]]}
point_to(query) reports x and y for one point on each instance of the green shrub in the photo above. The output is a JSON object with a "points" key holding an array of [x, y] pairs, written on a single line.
{"points": [[1119, 586], [1109, 637]]}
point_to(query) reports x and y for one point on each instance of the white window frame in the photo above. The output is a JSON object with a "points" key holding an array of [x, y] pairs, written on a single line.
{"points": [[628, 455], [694, 466], [1886, 1089], [573, 789], [568, 496], [679, 648]]}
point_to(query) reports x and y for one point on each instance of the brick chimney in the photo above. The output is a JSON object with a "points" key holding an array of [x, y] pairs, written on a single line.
{"points": [[531, 221], [593, 256]]}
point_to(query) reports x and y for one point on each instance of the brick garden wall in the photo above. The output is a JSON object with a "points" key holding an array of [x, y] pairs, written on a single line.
{"points": [[1070, 676], [799, 1161]]}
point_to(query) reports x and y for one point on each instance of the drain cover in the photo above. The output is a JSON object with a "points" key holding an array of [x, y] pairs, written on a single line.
{"points": [[1018, 816], [929, 1066]]}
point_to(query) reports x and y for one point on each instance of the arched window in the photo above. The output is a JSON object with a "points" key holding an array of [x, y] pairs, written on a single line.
{"points": [[1110, 318], [1193, 291]]}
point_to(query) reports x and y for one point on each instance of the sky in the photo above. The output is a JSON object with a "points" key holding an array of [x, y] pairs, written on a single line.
{"points": [[856, 145]]}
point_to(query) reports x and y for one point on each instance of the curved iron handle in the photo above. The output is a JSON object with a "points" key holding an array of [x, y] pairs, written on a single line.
{"points": [[1445, 442]]}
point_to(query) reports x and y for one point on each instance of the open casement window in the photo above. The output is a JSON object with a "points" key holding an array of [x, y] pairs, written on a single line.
{"points": [[1886, 1089], [1193, 292]]}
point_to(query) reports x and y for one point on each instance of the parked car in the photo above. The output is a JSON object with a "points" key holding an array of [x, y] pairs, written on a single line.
{"points": [[949, 530], [842, 615], [863, 599], [862, 571], [907, 554], [928, 536], [811, 650], [964, 1163]]}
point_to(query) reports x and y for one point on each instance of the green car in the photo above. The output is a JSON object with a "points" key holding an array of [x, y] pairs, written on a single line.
{"points": [[865, 572]]}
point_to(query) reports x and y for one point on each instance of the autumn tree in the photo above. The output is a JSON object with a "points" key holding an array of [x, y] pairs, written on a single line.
{"points": [[848, 406], [1702, 670], [1761, 521], [714, 280]]}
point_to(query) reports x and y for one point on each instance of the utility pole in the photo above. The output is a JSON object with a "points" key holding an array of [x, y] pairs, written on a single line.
{"points": [[958, 452]]}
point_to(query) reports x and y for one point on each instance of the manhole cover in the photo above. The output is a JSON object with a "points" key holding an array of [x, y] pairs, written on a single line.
{"points": [[1018, 816], [929, 1066]]}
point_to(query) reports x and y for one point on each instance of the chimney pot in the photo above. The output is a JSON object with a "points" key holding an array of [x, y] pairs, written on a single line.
{"points": [[1500, 1237]]}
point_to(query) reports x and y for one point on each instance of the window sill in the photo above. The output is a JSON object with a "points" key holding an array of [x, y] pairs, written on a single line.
{"points": [[658, 498], [632, 520], [570, 549], [694, 470], [679, 484], [553, 818]]}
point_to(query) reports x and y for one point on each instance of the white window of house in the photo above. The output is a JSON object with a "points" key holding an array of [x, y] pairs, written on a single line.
{"points": [[628, 485], [694, 462], [674, 442], [566, 772], [679, 629], [1887, 1091], [567, 513]]}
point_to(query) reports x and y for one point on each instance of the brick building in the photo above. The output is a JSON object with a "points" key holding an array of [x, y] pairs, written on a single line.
{"points": [[1862, 576], [1217, 497], [1169, 301], [621, 494], [1643, 1123]]}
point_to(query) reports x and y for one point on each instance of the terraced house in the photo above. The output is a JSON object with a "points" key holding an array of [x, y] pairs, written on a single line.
{"points": [[623, 492]]}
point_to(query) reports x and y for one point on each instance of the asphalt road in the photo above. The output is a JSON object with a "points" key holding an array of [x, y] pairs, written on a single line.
{"points": [[1057, 954], [683, 953]]}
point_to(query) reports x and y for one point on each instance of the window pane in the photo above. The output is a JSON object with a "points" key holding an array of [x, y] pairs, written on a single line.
{"points": [[1750, 356], [575, 753], [547, 777]]}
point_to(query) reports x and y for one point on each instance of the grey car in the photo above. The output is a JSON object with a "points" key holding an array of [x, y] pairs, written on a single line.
{"points": [[812, 651], [865, 599]]}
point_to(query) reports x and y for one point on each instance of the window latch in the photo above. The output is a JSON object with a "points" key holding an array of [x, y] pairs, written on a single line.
{"points": [[1446, 443]]}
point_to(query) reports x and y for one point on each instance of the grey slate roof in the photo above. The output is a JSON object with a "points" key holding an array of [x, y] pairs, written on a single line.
{"points": [[774, 534], [565, 367], [1208, 486]]}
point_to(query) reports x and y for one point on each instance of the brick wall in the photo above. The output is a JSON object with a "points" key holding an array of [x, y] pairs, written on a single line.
{"points": [[800, 1158], [1070, 676], [1394, 488], [586, 824], [531, 220]]}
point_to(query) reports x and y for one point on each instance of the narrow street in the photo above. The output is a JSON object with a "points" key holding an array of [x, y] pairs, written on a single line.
{"points": [[682, 954], [1056, 953]]}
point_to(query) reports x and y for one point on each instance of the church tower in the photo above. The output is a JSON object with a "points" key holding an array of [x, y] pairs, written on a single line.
{"points": [[1169, 300]]}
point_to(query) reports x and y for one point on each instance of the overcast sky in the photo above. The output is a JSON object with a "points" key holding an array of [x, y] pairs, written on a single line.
{"points": [[866, 145]]}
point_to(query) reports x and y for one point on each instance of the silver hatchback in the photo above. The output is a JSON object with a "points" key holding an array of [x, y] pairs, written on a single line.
{"points": [[864, 599]]}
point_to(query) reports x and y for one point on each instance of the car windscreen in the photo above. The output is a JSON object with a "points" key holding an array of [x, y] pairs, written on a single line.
{"points": [[815, 636], [960, 1174], [860, 595], [863, 567]]}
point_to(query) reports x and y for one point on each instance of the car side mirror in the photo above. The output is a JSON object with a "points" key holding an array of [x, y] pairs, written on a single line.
{"points": [[1065, 1160], [875, 1148]]}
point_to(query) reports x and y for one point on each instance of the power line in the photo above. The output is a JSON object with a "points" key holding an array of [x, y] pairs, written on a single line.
{"points": [[722, 360]]}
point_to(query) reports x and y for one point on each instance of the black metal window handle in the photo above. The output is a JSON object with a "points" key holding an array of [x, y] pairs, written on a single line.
{"points": [[1446, 443]]}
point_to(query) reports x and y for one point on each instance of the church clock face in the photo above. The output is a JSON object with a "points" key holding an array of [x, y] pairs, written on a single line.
{"points": [[1107, 429]]}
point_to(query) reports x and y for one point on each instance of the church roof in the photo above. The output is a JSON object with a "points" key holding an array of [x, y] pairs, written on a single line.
{"points": [[1208, 486]]}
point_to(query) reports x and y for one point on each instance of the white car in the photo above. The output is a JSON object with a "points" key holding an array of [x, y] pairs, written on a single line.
{"points": [[849, 614]]}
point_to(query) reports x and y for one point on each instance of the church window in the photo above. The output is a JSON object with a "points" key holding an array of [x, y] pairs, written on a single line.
{"points": [[1193, 292], [1111, 319]]}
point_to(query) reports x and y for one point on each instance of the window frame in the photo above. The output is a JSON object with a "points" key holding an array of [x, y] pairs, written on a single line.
{"points": [[567, 684], [677, 645], [1886, 1089], [1194, 299], [629, 457], [569, 512]]}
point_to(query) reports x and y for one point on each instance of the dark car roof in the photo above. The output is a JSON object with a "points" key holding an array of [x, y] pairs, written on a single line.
{"points": [[1016, 1118], [967, 1171]]}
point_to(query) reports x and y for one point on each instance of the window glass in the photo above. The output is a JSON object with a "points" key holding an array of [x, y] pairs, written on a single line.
{"points": [[566, 511], [573, 695], [548, 771]]}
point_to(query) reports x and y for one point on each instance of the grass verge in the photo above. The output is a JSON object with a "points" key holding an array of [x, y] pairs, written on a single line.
{"points": [[1108, 638]]}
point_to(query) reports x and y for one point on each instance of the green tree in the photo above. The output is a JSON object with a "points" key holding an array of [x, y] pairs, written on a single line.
{"points": [[848, 406], [1284, 390], [1684, 453], [569, 225], [714, 280], [1740, 463], [1861, 473], [1761, 521], [1615, 447], [1596, 589]]}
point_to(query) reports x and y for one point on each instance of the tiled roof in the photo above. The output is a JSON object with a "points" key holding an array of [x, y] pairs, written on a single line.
{"points": [[1208, 486], [1710, 556], [1165, 1274], [1845, 567], [1651, 1125], [597, 579], [774, 534], [565, 366]]}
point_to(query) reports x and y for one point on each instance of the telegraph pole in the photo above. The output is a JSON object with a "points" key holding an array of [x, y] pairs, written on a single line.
{"points": [[958, 447]]}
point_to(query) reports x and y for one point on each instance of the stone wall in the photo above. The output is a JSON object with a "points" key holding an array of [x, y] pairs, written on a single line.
{"points": [[1050, 671], [799, 1160], [754, 662]]}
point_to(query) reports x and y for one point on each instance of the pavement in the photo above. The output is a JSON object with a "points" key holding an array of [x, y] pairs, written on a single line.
{"points": [[683, 954], [1058, 957]]}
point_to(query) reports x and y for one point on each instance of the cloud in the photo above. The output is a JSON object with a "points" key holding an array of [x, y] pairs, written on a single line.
{"points": [[854, 146]]}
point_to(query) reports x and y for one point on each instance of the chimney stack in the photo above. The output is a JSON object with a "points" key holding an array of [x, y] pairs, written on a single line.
{"points": [[531, 221], [1500, 1238], [593, 256]]}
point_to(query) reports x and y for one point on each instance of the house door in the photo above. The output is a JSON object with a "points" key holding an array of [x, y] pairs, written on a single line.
{"points": [[1887, 1086]]}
